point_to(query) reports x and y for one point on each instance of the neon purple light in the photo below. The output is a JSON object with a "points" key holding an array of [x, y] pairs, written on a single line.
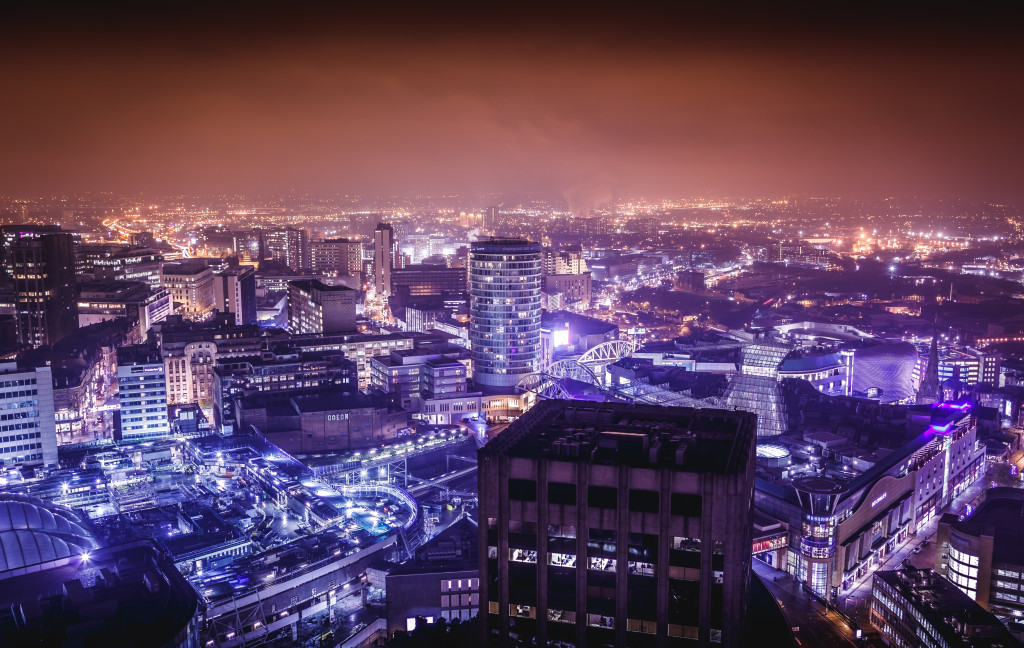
{"points": [[942, 429], [963, 407]]}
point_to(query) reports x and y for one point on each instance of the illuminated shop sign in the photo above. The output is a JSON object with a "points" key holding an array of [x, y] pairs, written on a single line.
{"points": [[878, 500], [820, 518]]}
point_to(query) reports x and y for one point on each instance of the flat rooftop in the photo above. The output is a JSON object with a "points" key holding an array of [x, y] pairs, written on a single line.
{"points": [[942, 604], [680, 438]]}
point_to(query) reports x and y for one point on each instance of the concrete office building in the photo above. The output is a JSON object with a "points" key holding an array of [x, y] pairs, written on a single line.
{"points": [[43, 269], [576, 290], [102, 301], [10, 234], [314, 307], [564, 262], [279, 372], [28, 435], [190, 283], [422, 280], [142, 393], [87, 254], [429, 383], [615, 524], [331, 419], [357, 347], [130, 265], [504, 312]]}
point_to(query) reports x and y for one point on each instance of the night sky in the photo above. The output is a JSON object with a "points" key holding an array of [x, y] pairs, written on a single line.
{"points": [[581, 102]]}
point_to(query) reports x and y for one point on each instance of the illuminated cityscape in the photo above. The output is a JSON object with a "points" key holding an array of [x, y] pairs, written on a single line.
{"points": [[654, 326]]}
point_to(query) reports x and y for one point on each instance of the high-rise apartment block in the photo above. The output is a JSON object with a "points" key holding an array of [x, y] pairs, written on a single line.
{"points": [[142, 393], [504, 307], [384, 250], [289, 246], [314, 307], [490, 220], [575, 290], [28, 434], [43, 269], [336, 256], [615, 524]]}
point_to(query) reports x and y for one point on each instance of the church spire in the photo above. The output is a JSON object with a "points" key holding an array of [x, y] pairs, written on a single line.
{"points": [[931, 389]]}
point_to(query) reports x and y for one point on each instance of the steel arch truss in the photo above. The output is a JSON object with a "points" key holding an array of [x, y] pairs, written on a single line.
{"points": [[608, 352], [572, 370], [543, 385]]}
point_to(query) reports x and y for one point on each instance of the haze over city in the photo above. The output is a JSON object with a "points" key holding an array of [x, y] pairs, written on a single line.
{"points": [[586, 102]]}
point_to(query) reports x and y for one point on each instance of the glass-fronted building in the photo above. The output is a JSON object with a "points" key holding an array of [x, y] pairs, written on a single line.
{"points": [[504, 307]]}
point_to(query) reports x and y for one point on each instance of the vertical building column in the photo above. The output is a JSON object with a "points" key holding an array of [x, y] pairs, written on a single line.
{"points": [[582, 531], [503, 521], [542, 552], [622, 556], [664, 544]]}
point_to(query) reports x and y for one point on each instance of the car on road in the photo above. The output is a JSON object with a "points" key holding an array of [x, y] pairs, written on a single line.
{"points": [[917, 550]]}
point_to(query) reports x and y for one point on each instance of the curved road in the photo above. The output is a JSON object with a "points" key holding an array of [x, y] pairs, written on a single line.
{"points": [[813, 625]]}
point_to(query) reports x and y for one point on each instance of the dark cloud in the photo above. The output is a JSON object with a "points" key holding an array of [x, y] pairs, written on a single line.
{"points": [[581, 104]]}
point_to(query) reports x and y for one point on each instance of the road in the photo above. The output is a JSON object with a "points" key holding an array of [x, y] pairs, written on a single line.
{"points": [[817, 625]]}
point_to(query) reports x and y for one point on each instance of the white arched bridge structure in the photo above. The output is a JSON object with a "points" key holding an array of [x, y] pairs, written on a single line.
{"points": [[608, 352]]}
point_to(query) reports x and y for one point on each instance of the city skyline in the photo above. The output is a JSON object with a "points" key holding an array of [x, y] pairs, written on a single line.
{"points": [[517, 325]]}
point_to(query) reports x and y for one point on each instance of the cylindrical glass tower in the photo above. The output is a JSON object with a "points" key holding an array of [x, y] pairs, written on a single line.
{"points": [[504, 312]]}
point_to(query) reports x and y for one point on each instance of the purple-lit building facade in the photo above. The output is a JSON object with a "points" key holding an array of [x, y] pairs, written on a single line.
{"points": [[843, 524]]}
